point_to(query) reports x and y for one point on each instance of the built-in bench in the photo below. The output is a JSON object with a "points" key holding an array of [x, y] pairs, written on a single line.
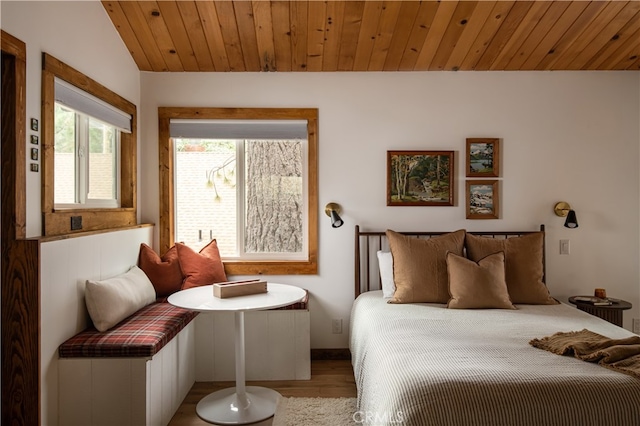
{"points": [[136, 373], [139, 372]]}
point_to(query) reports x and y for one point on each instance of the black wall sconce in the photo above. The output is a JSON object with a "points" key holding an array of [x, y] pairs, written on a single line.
{"points": [[332, 210], [563, 209]]}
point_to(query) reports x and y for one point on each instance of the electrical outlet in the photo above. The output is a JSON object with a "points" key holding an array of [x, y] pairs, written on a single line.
{"points": [[564, 247], [636, 326], [76, 223], [336, 326]]}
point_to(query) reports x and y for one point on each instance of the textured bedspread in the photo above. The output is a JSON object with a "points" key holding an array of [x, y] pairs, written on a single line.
{"points": [[423, 364]]}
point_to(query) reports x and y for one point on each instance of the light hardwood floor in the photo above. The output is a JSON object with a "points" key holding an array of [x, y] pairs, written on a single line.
{"points": [[329, 378]]}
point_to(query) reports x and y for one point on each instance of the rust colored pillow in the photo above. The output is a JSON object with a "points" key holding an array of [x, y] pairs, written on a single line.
{"points": [[480, 285], [163, 272], [523, 265], [420, 266], [202, 268]]}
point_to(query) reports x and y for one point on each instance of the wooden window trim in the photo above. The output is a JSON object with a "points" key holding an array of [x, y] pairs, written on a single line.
{"points": [[241, 267], [17, 49], [20, 295], [58, 222]]}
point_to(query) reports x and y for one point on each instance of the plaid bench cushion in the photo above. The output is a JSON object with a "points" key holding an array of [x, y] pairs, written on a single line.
{"points": [[142, 334]]}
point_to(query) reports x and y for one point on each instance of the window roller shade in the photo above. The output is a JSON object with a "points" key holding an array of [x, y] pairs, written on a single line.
{"points": [[81, 101], [239, 129]]}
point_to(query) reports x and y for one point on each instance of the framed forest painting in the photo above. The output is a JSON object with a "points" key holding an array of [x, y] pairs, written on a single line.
{"points": [[420, 178], [483, 157]]}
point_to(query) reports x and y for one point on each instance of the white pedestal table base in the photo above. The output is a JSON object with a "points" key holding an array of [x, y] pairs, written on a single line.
{"points": [[226, 408], [242, 404]]}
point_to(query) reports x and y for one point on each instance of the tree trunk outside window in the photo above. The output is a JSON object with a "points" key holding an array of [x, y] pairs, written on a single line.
{"points": [[274, 197]]}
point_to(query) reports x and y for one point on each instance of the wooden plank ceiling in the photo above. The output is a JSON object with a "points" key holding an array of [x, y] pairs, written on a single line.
{"points": [[302, 35]]}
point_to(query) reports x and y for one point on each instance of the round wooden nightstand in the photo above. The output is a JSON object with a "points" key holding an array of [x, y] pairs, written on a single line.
{"points": [[611, 313]]}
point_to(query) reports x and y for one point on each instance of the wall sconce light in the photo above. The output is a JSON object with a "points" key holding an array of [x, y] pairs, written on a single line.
{"points": [[563, 209], [332, 210]]}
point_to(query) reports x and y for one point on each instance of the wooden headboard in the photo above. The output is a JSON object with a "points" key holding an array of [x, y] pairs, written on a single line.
{"points": [[367, 276]]}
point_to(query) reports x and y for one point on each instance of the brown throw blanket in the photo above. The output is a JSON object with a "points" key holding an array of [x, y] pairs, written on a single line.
{"points": [[621, 355]]}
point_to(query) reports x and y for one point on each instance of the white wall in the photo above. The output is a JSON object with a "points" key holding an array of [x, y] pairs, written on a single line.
{"points": [[80, 34], [567, 136]]}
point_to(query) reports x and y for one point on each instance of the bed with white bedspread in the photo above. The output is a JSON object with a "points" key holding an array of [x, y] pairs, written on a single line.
{"points": [[424, 364]]}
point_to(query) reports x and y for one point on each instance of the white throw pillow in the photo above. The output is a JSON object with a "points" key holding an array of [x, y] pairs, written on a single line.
{"points": [[112, 300], [385, 263]]}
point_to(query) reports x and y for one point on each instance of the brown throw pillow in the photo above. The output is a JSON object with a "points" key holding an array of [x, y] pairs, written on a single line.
{"points": [[523, 265], [163, 272], [202, 268], [420, 266], [479, 285]]}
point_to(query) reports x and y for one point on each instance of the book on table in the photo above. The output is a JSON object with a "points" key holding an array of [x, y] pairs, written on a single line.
{"points": [[593, 300]]}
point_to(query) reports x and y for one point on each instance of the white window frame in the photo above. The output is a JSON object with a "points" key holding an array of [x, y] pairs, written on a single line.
{"points": [[242, 213], [82, 166]]}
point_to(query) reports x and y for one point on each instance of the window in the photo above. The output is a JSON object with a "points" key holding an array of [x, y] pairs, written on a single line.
{"points": [[86, 161], [88, 155], [244, 180]]}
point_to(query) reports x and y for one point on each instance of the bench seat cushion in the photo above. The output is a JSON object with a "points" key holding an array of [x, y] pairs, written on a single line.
{"points": [[142, 334]]}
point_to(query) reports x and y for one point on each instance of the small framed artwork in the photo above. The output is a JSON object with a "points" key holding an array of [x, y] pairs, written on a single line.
{"points": [[34, 154], [420, 178], [483, 157], [34, 139], [483, 199], [34, 167], [34, 124]]}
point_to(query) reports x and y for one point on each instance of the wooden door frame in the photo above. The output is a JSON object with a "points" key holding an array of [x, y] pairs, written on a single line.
{"points": [[20, 262]]}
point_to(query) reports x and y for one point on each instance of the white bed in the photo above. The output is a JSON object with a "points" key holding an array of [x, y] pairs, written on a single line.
{"points": [[424, 364]]}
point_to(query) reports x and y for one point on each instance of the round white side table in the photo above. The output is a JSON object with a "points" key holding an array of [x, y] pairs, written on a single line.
{"points": [[241, 404]]}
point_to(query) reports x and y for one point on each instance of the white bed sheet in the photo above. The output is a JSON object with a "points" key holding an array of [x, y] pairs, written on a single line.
{"points": [[423, 364]]}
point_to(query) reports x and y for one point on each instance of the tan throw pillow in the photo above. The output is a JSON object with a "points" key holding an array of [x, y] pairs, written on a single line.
{"points": [[420, 266], [479, 285], [203, 268], [523, 265]]}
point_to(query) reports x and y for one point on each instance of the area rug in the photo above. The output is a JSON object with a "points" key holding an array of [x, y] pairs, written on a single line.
{"points": [[315, 412]]}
